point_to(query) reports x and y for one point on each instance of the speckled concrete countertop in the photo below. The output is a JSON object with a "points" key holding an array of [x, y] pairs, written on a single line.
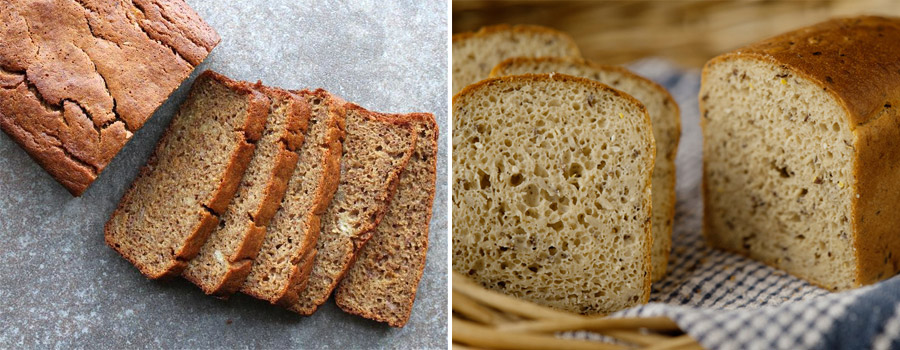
{"points": [[60, 285]]}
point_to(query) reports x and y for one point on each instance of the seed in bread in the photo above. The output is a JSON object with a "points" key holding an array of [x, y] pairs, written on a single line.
{"points": [[377, 148], [551, 201], [802, 151], [225, 259], [177, 198], [282, 266], [474, 54], [383, 281], [666, 122]]}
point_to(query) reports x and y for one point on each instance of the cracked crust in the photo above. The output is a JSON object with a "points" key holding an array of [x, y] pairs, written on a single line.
{"points": [[77, 78], [196, 168]]}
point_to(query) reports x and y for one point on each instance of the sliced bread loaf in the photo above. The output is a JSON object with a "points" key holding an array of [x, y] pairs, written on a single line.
{"points": [[176, 200], [285, 258], [666, 131], [801, 149], [382, 283], [474, 54], [551, 191], [225, 260], [377, 148]]}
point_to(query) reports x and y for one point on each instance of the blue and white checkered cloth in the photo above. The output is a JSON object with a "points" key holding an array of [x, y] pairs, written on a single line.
{"points": [[726, 301]]}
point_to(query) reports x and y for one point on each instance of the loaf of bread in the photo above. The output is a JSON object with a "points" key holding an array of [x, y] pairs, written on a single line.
{"points": [[474, 54], [666, 131], [377, 148], [802, 151], [226, 257], [285, 259], [551, 191], [382, 283], [77, 78], [177, 198]]}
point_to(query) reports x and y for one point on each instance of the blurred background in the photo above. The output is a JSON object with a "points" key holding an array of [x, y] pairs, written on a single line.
{"points": [[686, 32]]}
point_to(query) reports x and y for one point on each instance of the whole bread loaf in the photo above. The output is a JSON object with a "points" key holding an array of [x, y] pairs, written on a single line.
{"points": [[382, 283], [474, 54], [377, 148], [551, 191], [225, 259], [802, 151], [281, 269], [177, 198], [77, 78], [666, 122]]}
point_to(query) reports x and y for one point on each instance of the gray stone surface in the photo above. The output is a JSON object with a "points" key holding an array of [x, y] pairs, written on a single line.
{"points": [[61, 286]]}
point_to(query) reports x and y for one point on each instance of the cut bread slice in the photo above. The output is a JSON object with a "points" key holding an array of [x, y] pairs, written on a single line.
{"points": [[382, 283], [800, 151], [666, 122], [285, 258], [551, 191], [224, 261], [176, 200], [474, 54], [377, 148]]}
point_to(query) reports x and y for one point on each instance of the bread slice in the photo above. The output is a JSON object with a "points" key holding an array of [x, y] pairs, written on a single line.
{"points": [[381, 285], [666, 122], [176, 200], [225, 260], [377, 148], [551, 191], [285, 257], [474, 54], [801, 151]]}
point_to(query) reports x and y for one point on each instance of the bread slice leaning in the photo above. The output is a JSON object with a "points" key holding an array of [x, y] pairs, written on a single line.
{"points": [[551, 198], [666, 122], [224, 261], [474, 54], [382, 283], [282, 266], [377, 148], [177, 198]]}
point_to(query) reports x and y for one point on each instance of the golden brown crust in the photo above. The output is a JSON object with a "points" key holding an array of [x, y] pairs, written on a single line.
{"points": [[855, 61], [86, 64], [519, 28]]}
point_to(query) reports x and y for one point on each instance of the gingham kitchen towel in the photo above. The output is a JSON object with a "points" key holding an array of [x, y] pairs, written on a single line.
{"points": [[726, 301]]}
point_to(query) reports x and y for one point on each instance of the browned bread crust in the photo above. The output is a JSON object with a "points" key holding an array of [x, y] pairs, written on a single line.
{"points": [[854, 60], [72, 91], [282, 266], [381, 285], [134, 236], [344, 233], [225, 260]]}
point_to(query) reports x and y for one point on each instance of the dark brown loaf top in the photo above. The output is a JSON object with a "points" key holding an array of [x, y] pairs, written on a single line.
{"points": [[382, 283], [285, 257], [225, 260], [77, 78], [174, 203], [377, 148], [852, 65]]}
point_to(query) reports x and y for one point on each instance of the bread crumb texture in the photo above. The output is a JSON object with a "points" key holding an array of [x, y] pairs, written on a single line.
{"points": [[551, 196]]}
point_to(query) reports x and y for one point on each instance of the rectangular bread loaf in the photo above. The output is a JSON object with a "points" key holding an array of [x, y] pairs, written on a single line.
{"points": [[177, 198], [377, 148], [475, 54], [801, 151], [77, 78], [224, 261], [666, 122], [552, 191], [285, 258], [382, 283]]}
